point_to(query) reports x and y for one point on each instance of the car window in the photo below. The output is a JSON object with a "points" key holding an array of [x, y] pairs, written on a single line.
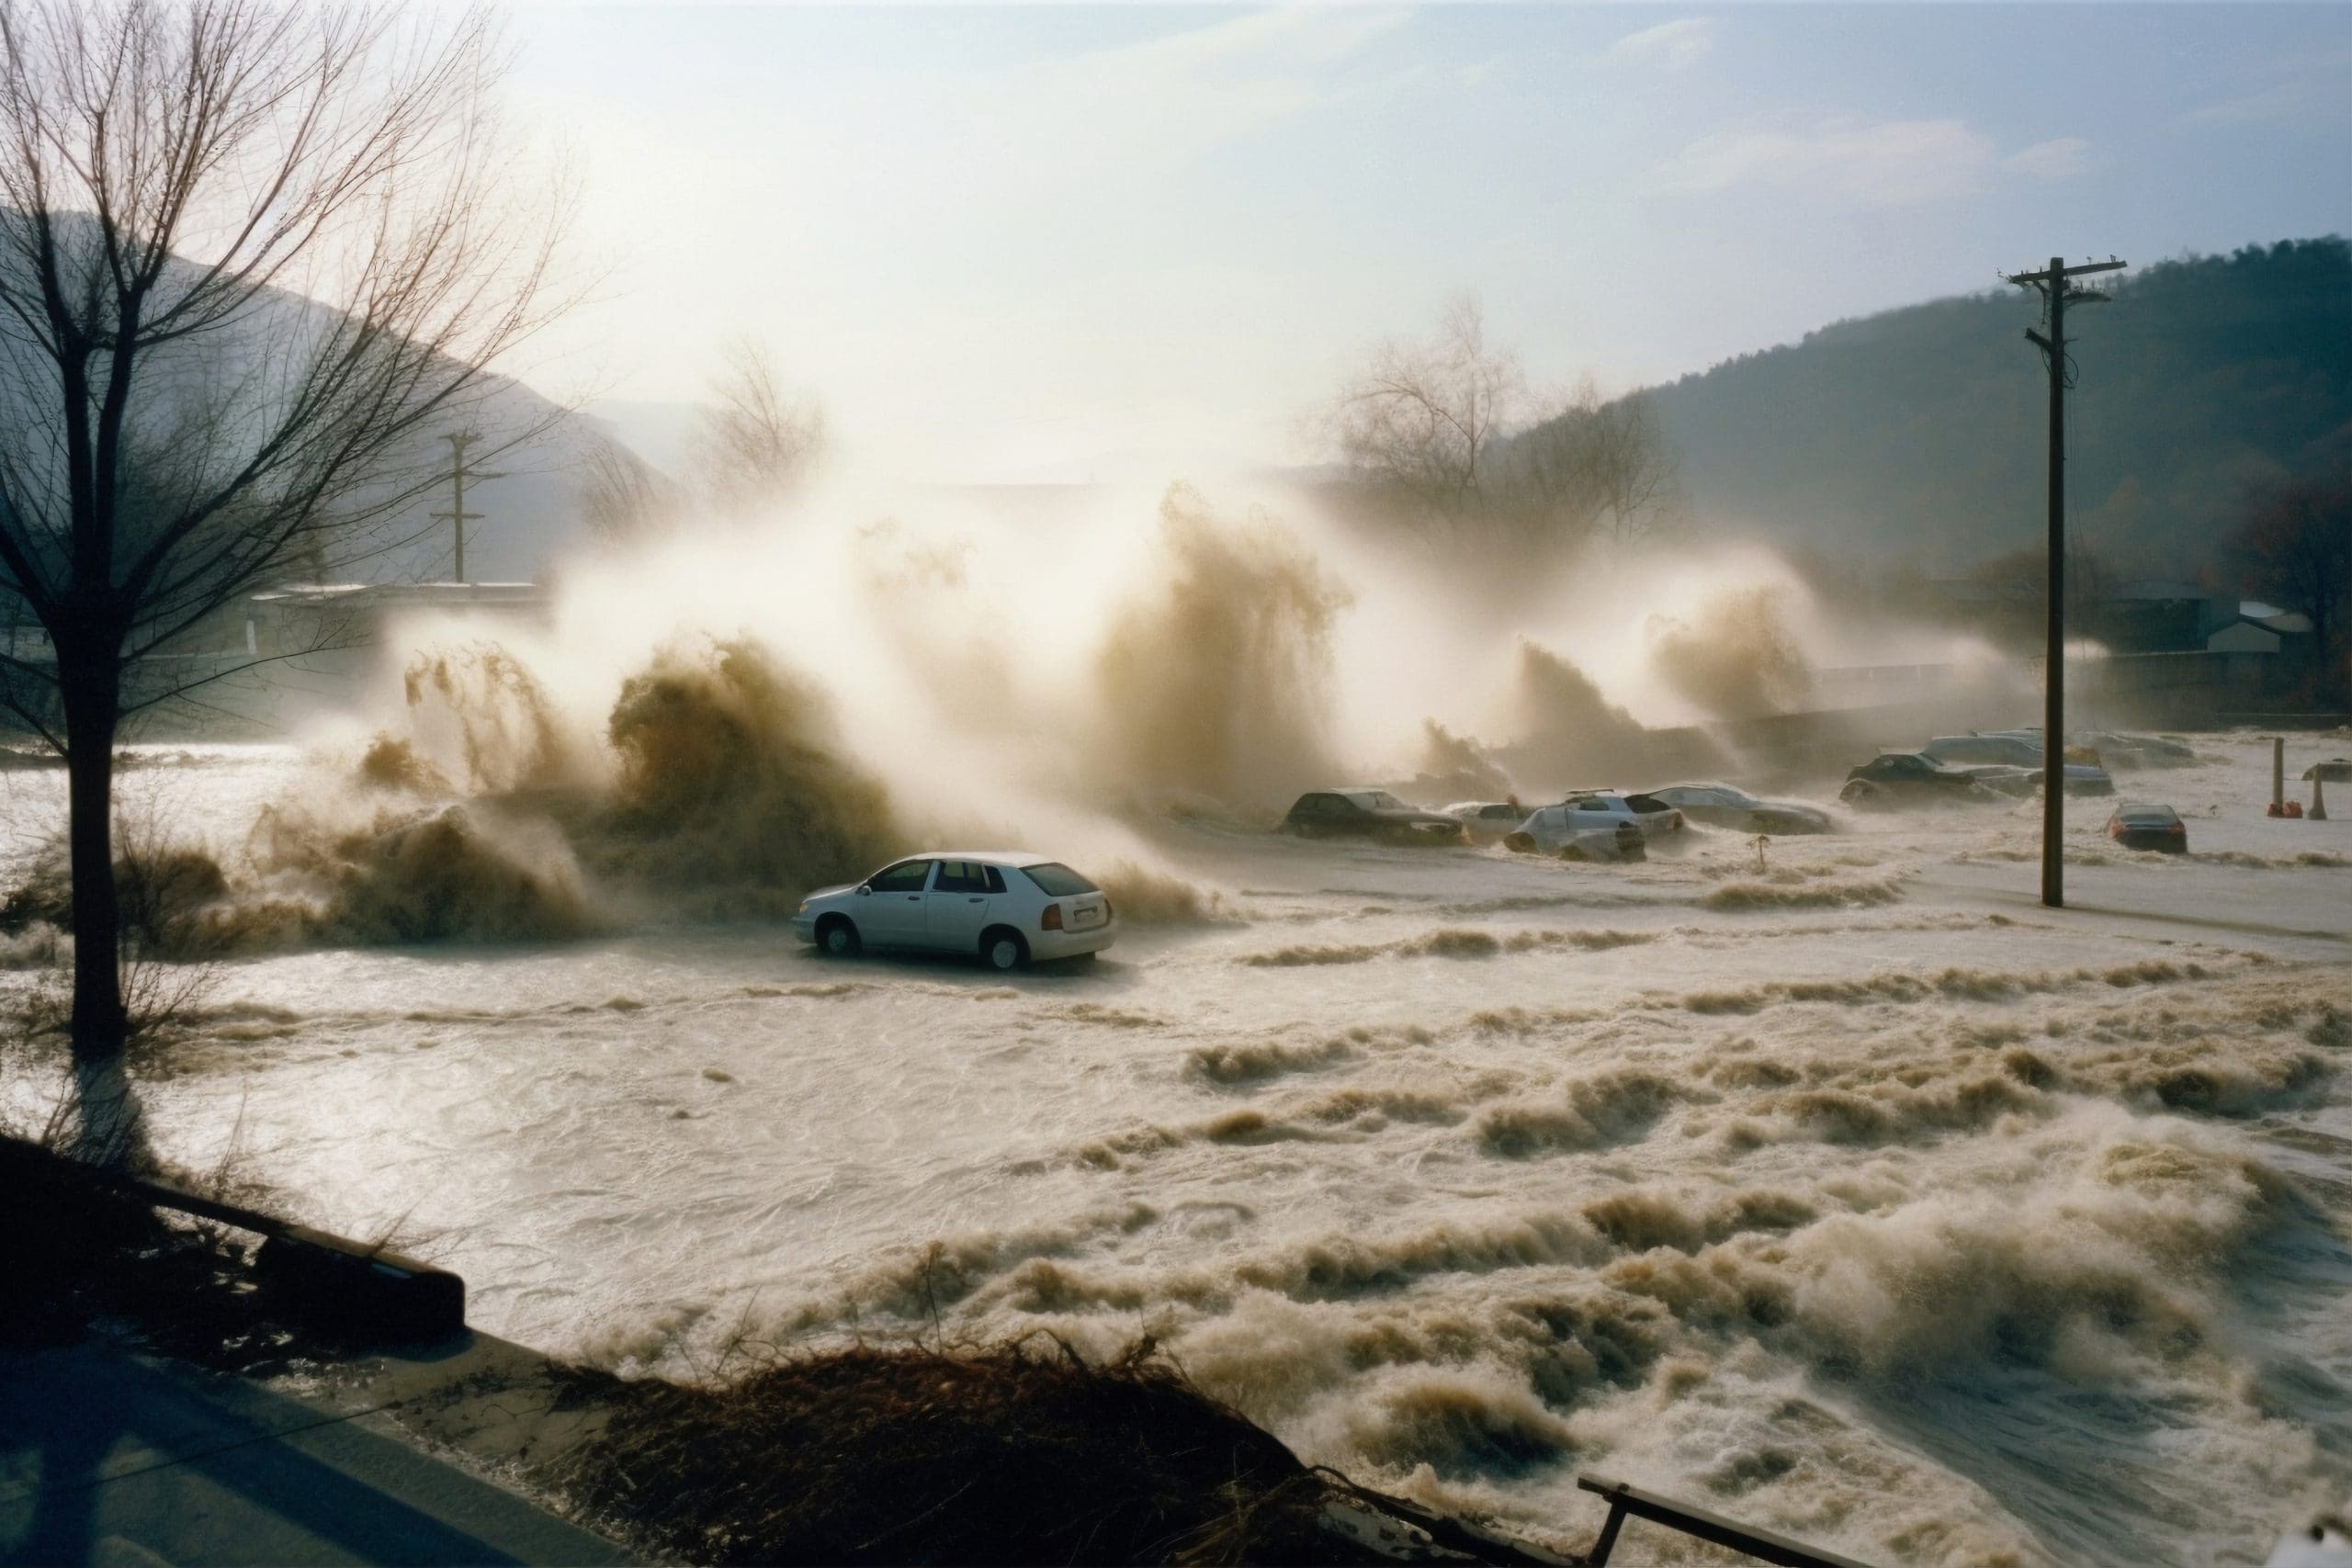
{"points": [[1588, 803], [1057, 881], [994, 878], [960, 876], [907, 876]]}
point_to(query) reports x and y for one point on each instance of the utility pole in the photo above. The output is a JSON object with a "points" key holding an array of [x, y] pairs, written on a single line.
{"points": [[458, 474], [2058, 289]]}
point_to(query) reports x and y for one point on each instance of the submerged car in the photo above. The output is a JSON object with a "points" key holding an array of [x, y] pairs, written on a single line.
{"points": [[2085, 774], [1725, 806], [2145, 825], [1006, 908], [1547, 832], [1654, 817], [1584, 827], [1892, 777], [1369, 814], [2137, 751], [2012, 748]]}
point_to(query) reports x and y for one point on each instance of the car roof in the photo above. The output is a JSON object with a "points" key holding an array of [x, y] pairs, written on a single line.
{"points": [[986, 857], [2144, 808]]}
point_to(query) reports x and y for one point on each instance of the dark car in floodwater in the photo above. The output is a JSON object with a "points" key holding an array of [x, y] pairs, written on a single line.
{"points": [[1897, 777], [1369, 814], [2145, 825]]}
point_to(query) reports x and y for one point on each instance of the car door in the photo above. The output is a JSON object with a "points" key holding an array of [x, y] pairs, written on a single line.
{"points": [[891, 911], [957, 908]]}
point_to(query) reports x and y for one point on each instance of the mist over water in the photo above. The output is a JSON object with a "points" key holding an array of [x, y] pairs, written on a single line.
{"points": [[1838, 1189]]}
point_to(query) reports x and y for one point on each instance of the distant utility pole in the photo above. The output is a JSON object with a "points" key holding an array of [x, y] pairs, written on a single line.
{"points": [[2058, 291], [458, 474]]}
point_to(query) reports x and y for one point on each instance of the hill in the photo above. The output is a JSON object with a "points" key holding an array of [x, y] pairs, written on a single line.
{"points": [[1920, 434]]}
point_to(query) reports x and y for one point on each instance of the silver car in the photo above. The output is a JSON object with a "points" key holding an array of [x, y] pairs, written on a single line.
{"points": [[1009, 909], [1726, 806]]}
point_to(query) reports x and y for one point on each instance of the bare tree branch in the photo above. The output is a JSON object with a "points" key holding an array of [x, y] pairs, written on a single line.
{"points": [[253, 255]]}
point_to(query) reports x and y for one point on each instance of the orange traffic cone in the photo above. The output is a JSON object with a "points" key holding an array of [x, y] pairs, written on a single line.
{"points": [[2294, 809]]}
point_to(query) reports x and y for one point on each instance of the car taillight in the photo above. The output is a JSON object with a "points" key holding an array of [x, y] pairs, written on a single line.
{"points": [[1053, 921]]}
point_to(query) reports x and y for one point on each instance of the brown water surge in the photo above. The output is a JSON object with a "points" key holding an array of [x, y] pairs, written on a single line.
{"points": [[1738, 658], [1218, 681]]}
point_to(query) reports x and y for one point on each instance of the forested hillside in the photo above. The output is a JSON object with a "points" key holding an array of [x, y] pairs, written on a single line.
{"points": [[1919, 434]]}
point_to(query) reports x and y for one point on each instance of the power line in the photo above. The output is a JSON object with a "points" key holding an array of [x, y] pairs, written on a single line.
{"points": [[458, 515], [2058, 289]]}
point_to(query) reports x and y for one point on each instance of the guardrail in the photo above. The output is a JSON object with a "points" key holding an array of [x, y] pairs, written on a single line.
{"points": [[351, 1287], [1762, 1545]]}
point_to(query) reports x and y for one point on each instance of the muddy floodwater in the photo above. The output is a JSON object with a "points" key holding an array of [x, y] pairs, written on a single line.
{"points": [[1850, 1192]]}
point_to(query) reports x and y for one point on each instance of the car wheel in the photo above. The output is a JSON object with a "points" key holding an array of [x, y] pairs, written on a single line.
{"points": [[1523, 842], [1003, 949], [837, 938], [1862, 791]]}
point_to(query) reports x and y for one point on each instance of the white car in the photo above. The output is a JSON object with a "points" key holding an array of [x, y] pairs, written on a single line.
{"points": [[1583, 827], [1599, 810], [1008, 908]]}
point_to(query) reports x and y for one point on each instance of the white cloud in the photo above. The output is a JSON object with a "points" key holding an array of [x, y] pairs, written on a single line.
{"points": [[2307, 84], [2063, 158], [1669, 46], [1889, 161]]}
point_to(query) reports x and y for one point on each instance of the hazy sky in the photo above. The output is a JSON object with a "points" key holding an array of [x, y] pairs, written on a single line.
{"points": [[1045, 242]]}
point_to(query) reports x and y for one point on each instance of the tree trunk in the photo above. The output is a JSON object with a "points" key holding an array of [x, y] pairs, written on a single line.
{"points": [[93, 691]]}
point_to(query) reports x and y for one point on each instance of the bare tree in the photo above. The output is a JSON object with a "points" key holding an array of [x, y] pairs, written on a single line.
{"points": [[1591, 465], [622, 496], [253, 255], [755, 442], [1433, 430], [1418, 421]]}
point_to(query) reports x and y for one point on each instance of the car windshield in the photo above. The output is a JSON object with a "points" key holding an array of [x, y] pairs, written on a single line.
{"points": [[1378, 800], [1057, 881]]}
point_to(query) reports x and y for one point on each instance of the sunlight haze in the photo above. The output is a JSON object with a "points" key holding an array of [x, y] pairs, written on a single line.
{"points": [[1061, 243]]}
